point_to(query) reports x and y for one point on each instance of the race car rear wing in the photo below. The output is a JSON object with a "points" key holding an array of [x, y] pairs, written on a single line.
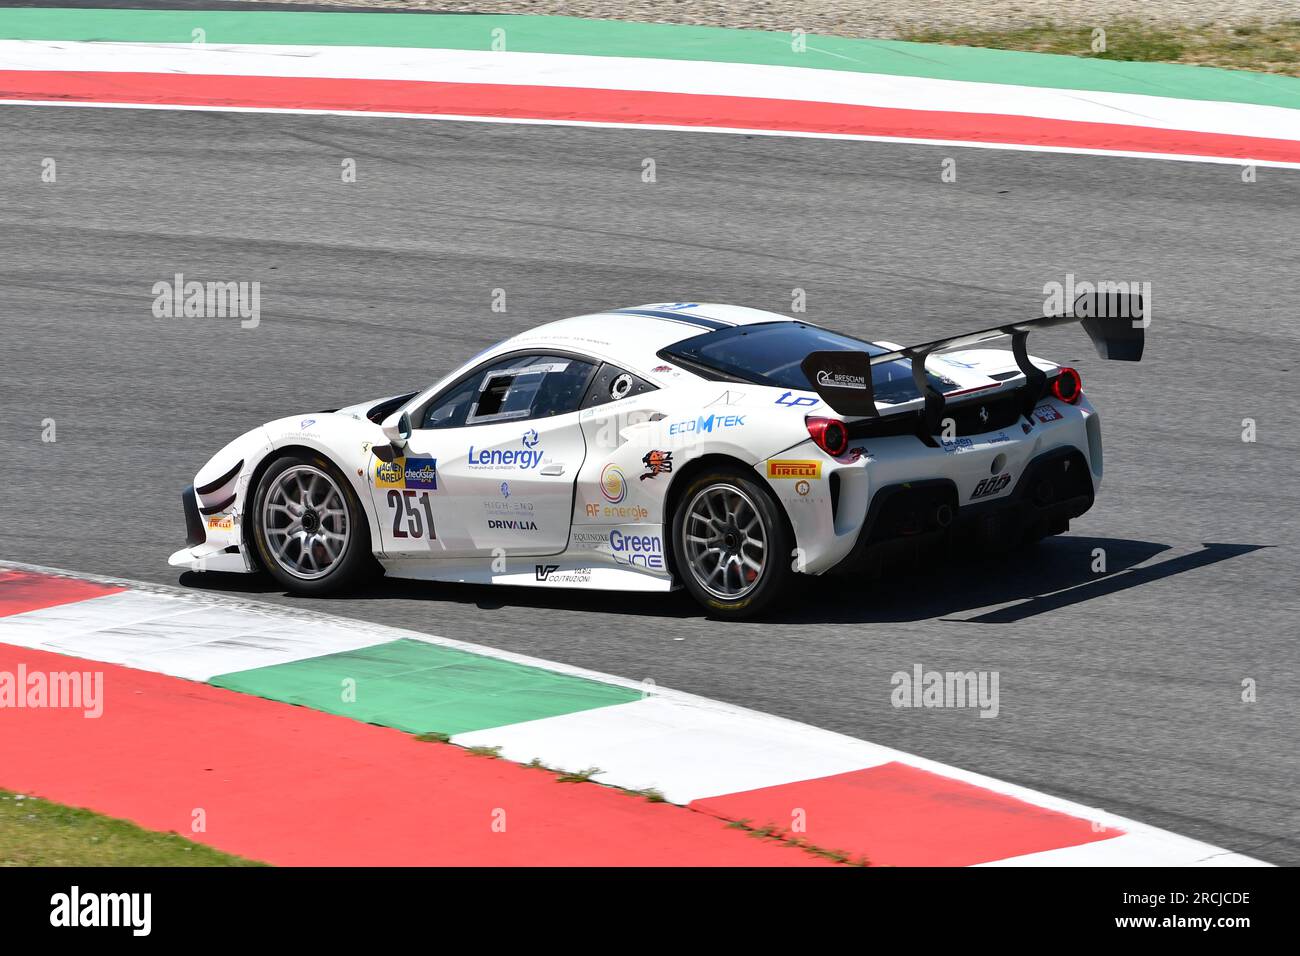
{"points": [[1115, 323]]}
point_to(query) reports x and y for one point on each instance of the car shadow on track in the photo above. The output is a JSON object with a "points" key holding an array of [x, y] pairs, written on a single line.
{"points": [[1057, 573]]}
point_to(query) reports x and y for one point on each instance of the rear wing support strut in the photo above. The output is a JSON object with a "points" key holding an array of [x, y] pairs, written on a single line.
{"points": [[1114, 322]]}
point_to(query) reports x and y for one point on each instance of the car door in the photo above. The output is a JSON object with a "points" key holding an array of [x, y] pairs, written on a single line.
{"points": [[494, 458]]}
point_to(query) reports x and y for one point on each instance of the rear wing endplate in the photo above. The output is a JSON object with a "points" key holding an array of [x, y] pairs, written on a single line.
{"points": [[1115, 323]]}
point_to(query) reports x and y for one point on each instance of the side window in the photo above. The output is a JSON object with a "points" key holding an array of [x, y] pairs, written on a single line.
{"points": [[513, 389], [612, 383]]}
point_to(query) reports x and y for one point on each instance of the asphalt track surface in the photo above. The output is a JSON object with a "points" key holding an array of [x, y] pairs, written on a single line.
{"points": [[1121, 689]]}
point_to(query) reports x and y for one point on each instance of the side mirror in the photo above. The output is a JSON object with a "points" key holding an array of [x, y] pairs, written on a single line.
{"points": [[399, 434]]}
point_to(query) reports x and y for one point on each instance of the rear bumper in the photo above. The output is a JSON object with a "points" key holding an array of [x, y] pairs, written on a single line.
{"points": [[909, 520]]}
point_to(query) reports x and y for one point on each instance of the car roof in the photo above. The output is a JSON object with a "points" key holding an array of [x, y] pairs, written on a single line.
{"points": [[632, 336]]}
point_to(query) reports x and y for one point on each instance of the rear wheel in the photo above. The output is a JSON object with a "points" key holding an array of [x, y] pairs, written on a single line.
{"points": [[309, 529], [730, 544]]}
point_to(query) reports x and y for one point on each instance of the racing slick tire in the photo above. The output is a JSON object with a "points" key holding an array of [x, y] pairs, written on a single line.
{"points": [[731, 546], [309, 530]]}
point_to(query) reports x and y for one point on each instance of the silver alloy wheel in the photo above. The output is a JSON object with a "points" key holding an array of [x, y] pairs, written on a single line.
{"points": [[725, 541], [305, 522]]}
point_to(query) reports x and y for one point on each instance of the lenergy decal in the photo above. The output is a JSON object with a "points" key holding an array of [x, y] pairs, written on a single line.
{"points": [[525, 458]]}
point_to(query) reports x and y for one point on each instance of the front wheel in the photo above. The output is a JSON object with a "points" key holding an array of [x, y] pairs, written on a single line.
{"points": [[309, 529], [731, 546]]}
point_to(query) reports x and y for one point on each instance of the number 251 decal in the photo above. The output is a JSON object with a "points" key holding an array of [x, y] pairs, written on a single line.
{"points": [[406, 512]]}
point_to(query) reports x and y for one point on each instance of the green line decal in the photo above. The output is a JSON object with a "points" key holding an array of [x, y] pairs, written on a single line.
{"points": [[421, 688], [532, 34]]}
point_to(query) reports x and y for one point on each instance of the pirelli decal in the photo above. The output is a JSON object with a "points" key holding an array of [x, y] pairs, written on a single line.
{"points": [[794, 469]]}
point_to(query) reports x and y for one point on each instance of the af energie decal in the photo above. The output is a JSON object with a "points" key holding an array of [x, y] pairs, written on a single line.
{"points": [[613, 485]]}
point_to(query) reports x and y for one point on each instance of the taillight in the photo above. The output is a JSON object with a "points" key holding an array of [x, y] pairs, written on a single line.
{"points": [[1067, 386], [830, 434]]}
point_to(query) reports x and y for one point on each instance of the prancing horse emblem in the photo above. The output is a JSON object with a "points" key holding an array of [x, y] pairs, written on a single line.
{"points": [[984, 415]]}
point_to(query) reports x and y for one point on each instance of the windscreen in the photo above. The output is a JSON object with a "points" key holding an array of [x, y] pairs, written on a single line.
{"points": [[769, 353]]}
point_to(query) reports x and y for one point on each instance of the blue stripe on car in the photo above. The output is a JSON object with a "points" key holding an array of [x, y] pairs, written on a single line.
{"points": [[698, 321]]}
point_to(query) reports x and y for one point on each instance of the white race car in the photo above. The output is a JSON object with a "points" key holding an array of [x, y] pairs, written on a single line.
{"points": [[716, 447]]}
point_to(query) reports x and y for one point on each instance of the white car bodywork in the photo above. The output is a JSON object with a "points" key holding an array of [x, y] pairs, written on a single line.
{"points": [[573, 500]]}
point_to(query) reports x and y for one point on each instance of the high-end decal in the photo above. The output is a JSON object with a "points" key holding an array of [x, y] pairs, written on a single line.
{"points": [[1047, 413]]}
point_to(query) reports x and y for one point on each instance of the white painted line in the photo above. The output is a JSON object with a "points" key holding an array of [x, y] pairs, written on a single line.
{"points": [[634, 74], [683, 745]]}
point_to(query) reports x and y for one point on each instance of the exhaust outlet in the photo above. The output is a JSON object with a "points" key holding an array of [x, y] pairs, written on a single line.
{"points": [[943, 515]]}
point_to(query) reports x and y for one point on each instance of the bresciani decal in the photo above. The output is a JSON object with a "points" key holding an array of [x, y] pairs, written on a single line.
{"points": [[794, 469], [1046, 413], [656, 463], [841, 379]]}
